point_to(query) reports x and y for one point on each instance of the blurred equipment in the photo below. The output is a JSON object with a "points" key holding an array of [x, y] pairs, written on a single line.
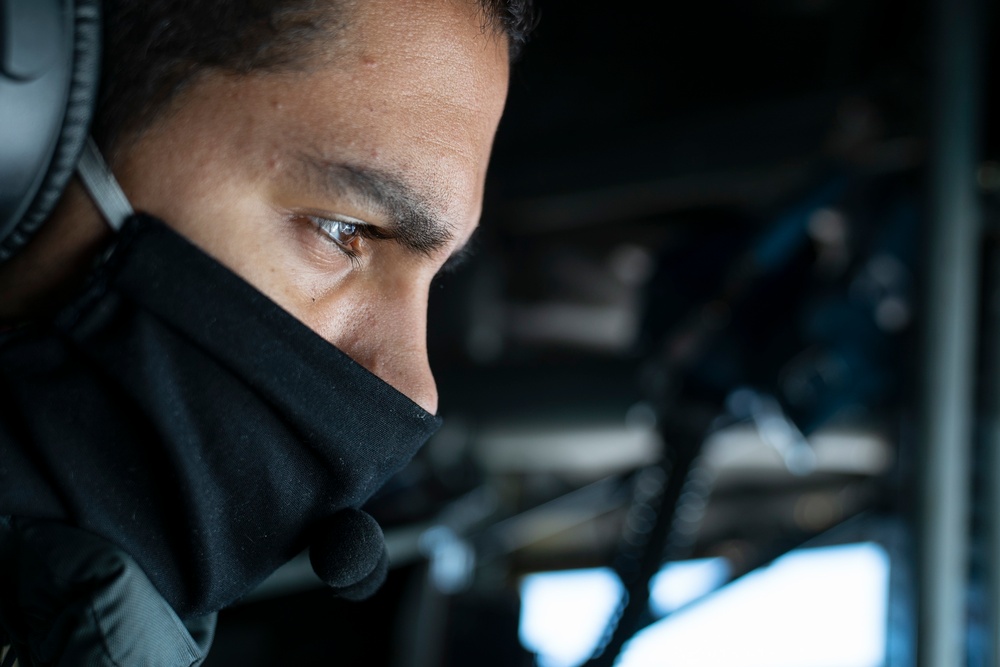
{"points": [[797, 330]]}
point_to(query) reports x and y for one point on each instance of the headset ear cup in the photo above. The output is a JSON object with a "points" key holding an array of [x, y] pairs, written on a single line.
{"points": [[82, 99]]}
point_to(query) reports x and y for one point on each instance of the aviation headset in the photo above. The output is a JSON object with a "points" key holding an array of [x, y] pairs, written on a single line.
{"points": [[49, 76]]}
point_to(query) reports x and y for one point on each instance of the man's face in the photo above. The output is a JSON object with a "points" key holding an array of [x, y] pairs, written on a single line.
{"points": [[340, 191]]}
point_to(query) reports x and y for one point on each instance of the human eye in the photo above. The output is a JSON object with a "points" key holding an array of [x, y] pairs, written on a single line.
{"points": [[345, 233]]}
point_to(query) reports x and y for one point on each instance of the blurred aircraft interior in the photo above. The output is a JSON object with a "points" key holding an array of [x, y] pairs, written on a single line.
{"points": [[719, 377]]}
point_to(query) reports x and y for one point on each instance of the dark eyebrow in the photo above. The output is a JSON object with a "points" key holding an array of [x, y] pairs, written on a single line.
{"points": [[409, 216]]}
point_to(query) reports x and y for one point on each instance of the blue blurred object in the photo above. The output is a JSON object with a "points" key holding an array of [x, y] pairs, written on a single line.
{"points": [[811, 308]]}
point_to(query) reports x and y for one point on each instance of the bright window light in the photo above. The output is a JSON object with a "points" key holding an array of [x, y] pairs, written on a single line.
{"points": [[821, 607], [564, 613], [681, 583]]}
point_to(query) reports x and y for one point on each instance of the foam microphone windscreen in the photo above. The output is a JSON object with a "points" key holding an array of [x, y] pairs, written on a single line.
{"points": [[348, 553]]}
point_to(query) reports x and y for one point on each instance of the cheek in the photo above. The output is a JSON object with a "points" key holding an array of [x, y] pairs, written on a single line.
{"points": [[373, 314], [350, 320], [385, 333], [361, 323]]}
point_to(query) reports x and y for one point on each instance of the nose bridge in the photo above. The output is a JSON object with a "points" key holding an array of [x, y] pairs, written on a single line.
{"points": [[412, 343], [393, 343]]}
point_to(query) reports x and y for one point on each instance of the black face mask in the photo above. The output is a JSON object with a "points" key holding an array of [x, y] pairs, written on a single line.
{"points": [[182, 415]]}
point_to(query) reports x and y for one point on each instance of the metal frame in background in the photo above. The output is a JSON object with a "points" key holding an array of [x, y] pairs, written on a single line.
{"points": [[953, 242]]}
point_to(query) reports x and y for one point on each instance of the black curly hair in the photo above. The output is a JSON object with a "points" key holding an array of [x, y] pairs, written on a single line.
{"points": [[153, 48]]}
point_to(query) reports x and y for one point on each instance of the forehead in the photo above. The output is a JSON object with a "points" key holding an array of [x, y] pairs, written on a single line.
{"points": [[410, 86]]}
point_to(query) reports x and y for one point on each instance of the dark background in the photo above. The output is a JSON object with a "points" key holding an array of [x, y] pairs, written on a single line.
{"points": [[645, 154]]}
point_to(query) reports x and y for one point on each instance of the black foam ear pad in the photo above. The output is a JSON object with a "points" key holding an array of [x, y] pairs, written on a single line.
{"points": [[82, 99]]}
